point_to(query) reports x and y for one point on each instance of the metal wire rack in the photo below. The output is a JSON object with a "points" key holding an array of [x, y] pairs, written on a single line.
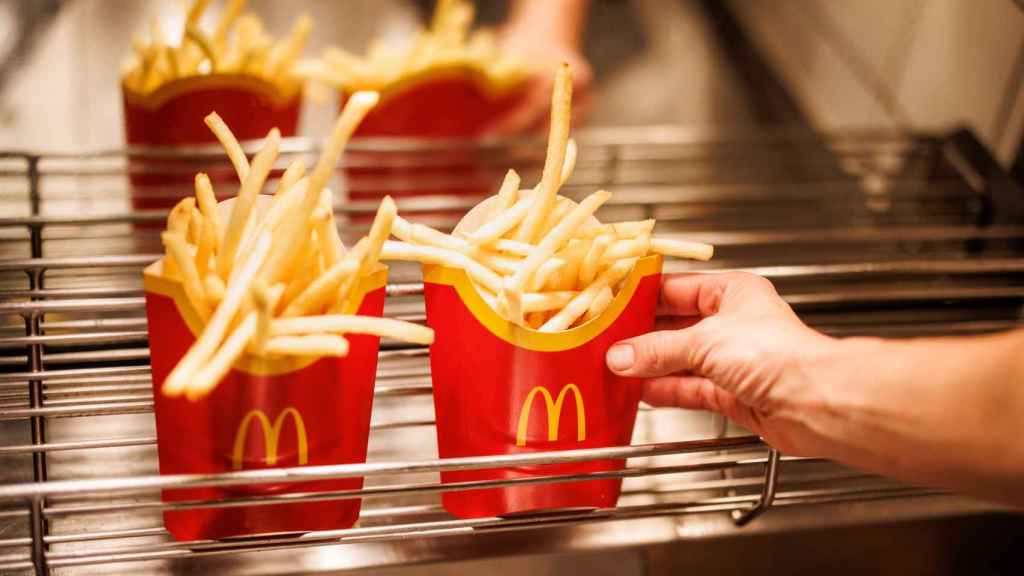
{"points": [[864, 233]]}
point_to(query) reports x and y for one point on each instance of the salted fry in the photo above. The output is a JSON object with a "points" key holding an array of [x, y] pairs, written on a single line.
{"points": [[195, 226], [500, 225], [327, 234], [220, 363], [207, 343], [682, 248], [431, 254], [350, 324], [230, 143], [582, 302], [292, 174], [264, 310], [600, 304], [227, 20], [309, 345], [507, 194], [208, 204], [569, 164], [214, 287], [558, 138], [245, 201], [546, 271], [556, 238], [379, 232], [193, 33], [592, 261], [179, 216], [512, 247], [177, 247], [618, 229], [629, 248], [207, 244], [316, 295]]}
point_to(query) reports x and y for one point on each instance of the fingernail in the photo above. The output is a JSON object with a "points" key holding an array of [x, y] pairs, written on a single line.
{"points": [[620, 357]]}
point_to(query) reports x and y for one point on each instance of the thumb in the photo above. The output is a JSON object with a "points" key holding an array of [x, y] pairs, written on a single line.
{"points": [[655, 354]]}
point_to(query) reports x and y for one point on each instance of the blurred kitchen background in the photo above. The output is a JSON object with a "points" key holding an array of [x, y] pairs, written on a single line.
{"points": [[926, 64]]}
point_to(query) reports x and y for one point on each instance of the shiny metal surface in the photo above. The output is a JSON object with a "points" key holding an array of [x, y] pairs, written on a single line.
{"points": [[863, 233]]}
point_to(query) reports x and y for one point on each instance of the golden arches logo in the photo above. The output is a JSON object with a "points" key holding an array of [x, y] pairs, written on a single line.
{"points": [[271, 436], [554, 413]]}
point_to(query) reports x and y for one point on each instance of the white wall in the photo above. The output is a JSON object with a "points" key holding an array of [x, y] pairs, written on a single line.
{"points": [[921, 63]]}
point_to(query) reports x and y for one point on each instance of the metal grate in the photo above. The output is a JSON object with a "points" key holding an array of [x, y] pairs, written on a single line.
{"points": [[863, 233]]}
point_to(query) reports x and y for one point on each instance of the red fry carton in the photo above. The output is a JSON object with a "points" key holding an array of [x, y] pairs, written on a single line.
{"points": [[452, 102], [267, 413], [173, 116], [503, 389]]}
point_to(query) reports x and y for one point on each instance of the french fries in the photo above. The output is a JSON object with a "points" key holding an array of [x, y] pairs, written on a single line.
{"points": [[238, 45], [447, 43], [271, 282], [539, 259]]}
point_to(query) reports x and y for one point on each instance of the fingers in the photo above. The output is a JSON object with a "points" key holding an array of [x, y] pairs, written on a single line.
{"points": [[693, 294], [696, 393], [656, 354]]}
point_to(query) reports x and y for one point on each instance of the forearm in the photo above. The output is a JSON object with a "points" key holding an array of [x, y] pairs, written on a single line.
{"points": [[561, 20], [936, 411]]}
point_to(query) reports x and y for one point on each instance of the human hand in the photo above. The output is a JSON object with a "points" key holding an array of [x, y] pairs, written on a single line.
{"points": [[543, 35], [728, 343]]}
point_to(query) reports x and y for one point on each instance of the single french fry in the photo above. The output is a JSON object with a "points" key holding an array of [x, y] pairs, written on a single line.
{"points": [[507, 194], [179, 216], [544, 272], [682, 248], [560, 208], [220, 363], [600, 304], [350, 324], [498, 226], [501, 264], [245, 201], [569, 164], [330, 242], [356, 108], [214, 287], [629, 248], [592, 261], [425, 235], [579, 305], [546, 301], [195, 226], [556, 238], [618, 230], [292, 174], [558, 138], [512, 247], [379, 232], [357, 254], [230, 143], [208, 204], [511, 302], [568, 276], [213, 334], [308, 345], [205, 249], [177, 247], [433, 255]]}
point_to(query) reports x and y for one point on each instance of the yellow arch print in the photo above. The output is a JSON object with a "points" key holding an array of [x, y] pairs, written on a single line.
{"points": [[554, 413]]}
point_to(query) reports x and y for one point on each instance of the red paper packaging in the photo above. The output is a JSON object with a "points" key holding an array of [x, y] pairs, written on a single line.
{"points": [[525, 391], [267, 413], [454, 102], [172, 116]]}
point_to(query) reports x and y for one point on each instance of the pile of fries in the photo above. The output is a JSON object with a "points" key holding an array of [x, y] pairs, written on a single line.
{"points": [[539, 259], [238, 45], [273, 278], [448, 43]]}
